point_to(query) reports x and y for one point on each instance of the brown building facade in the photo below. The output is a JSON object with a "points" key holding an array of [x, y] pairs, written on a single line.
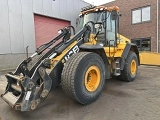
{"points": [[139, 22]]}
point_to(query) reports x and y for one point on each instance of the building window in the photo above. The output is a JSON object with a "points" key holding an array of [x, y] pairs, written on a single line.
{"points": [[141, 15], [143, 44]]}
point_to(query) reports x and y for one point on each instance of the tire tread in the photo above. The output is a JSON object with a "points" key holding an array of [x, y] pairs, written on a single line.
{"points": [[68, 72], [125, 74]]}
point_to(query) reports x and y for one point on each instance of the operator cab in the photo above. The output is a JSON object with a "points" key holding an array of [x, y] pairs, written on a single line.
{"points": [[105, 23]]}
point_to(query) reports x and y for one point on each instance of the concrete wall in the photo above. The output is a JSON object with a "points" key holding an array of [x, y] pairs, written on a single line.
{"points": [[17, 24]]}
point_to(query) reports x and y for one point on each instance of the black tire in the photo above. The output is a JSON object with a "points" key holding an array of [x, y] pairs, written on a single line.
{"points": [[126, 73], [73, 77]]}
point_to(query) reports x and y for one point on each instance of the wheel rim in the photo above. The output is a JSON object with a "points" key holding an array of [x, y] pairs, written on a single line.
{"points": [[92, 78], [133, 67]]}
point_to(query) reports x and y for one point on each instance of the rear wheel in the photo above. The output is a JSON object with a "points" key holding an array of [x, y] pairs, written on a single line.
{"points": [[129, 72], [83, 77]]}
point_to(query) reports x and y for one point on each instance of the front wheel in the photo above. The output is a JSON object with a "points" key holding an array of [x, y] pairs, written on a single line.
{"points": [[129, 72], [83, 77]]}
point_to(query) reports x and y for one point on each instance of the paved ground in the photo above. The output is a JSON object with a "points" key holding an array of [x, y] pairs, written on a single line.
{"points": [[137, 100]]}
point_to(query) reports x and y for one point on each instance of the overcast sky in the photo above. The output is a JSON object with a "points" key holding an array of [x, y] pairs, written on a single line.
{"points": [[98, 2]]}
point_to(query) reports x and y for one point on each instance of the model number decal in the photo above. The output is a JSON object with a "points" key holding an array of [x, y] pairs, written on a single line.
{"points": [[74, 50]]}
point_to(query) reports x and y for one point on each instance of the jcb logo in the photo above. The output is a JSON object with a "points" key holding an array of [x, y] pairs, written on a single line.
{"points": [[71, 52]]}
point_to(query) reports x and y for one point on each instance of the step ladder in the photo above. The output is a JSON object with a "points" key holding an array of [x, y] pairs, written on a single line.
{"points": [[117, 70]]}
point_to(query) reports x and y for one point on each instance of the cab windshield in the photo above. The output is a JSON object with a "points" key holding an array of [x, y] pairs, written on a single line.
{"points": [[94, 17], [108, 23]]}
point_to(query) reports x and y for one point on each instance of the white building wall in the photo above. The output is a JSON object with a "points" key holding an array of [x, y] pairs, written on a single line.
{"points": [[17, 25], [17, 20], [5, 42]]}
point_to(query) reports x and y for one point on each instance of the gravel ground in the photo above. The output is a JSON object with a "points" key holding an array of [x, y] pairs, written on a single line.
{"points": [[137, 100]]}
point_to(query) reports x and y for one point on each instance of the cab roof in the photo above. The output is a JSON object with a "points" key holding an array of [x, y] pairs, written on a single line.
{"points": [[90, 9]]}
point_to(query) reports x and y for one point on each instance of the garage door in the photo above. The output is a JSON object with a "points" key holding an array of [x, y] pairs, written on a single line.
{"points": [[46, 28]]}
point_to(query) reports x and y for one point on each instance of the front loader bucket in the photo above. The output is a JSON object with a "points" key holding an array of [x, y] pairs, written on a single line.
{"points": [[24, 93], [14, 93]]}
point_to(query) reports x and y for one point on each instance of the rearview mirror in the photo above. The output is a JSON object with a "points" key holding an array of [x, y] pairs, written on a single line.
{"points": [[114, 15]]}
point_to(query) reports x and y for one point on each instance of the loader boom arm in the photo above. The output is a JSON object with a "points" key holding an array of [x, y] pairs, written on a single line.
{"points": [[27, 88]]}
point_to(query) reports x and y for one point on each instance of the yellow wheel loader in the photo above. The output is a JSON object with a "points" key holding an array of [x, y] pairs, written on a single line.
{"points": [[80, 63]]}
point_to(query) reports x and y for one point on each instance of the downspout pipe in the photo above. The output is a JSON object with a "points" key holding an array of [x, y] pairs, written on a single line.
{"points": [[157, 26]]}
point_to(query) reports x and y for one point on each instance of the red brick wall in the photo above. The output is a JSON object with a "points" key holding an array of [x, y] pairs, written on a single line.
{"points": [[141, 30]]}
